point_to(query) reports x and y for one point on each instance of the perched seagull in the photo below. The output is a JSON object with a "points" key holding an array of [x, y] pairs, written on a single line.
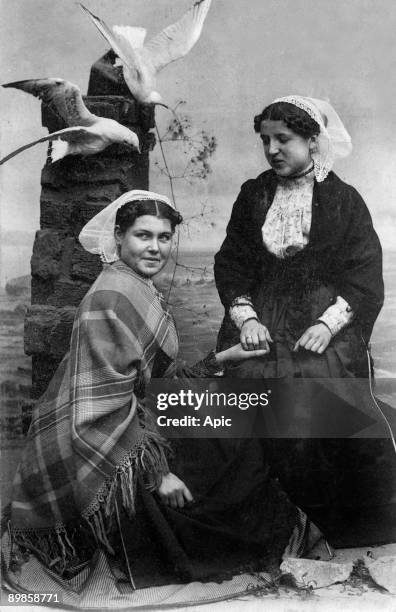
{"points": [[87, 133], [141, 62]]}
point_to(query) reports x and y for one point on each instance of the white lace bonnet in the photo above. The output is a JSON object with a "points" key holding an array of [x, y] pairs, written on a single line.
{"points": [[97, 236], [333, 140]]}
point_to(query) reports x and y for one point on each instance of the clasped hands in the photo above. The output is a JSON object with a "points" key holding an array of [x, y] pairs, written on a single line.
{"points": [[255, 339], [254, 336]]}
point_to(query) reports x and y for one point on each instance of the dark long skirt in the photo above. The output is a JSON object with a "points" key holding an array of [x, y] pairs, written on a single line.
{"points": [[240, 518], [346, 486]]}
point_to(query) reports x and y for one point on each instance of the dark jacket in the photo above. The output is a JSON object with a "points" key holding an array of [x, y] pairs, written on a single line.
{"points": [[343, 248]]}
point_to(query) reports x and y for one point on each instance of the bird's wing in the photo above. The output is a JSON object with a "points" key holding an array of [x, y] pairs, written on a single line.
{"points": [[72, 134], [62, 96], [123, 39], [177, 39], [130, 35]]}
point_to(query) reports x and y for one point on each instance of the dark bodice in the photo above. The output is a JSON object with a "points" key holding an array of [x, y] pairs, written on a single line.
{"points": [[343, 250]]}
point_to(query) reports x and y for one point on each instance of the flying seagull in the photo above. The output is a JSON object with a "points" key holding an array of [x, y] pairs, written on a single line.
{"points": [[86, 133], [141, 62]]}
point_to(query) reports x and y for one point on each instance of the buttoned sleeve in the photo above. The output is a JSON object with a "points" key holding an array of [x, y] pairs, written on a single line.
{"points": [[337, 316]]}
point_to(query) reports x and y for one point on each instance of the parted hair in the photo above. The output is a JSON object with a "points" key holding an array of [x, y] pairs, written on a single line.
{"points": [[295, 118], [129, 212]]}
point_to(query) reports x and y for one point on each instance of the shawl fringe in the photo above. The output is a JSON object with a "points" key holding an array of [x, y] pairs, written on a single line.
{"points": [[54, 545]]}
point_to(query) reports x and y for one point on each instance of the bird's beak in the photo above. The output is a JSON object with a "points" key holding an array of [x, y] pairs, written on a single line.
{"points": [[161, 104], [133, 146]]}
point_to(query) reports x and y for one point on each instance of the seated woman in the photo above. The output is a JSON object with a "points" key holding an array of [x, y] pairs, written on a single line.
{"points": [[300, 270], [300, 275], [94, 472]]}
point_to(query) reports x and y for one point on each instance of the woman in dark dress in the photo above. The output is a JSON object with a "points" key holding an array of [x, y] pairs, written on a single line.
{"points": [[300, 275], [300, 270], [95, 475]]}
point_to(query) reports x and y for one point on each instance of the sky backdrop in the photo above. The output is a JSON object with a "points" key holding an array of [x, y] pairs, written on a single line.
{"points": [[250, 52]]}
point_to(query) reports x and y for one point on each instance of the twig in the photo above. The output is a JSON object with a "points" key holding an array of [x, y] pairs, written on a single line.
{"points": [[200, 150], [174, 202], [204, 270]]}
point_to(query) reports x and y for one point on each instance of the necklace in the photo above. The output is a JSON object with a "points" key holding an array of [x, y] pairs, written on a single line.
{"points": [[300, 175]]}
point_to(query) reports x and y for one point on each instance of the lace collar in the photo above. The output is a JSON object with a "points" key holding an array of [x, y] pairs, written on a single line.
{"points": [[306, 178]]}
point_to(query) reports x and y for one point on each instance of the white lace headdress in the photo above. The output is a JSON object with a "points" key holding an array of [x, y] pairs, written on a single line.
{"points": [[333, 140], [97, 236]]}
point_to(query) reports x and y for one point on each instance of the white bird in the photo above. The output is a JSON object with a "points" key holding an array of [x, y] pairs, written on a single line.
{"points": [[86, 133], [141, 62]]}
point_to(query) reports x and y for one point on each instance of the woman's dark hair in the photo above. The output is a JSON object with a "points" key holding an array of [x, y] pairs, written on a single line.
{"points": [[129, 212], [295, 118]]}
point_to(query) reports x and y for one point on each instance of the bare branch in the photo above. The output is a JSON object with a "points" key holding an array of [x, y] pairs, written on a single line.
{"points": [[198, 146]]}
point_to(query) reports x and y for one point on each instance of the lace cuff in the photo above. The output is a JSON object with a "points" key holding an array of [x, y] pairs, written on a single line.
{"points": [[337, 316], [241, 310], [206, 368]]}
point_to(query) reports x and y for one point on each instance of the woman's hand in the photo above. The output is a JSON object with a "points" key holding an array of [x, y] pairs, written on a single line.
{"points": [[173, 492], [316, 339], [238, 353], [255, 335]]}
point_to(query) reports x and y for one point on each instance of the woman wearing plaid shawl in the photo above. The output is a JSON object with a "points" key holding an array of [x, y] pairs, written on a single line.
{"points": [[91, 445]]}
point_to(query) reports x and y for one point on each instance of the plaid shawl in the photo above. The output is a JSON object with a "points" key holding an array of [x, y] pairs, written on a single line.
{"points": [[86, 440]]}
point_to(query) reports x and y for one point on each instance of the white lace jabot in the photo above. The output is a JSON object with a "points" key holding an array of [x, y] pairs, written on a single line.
{"points": [[285, 232], [288, 221]]}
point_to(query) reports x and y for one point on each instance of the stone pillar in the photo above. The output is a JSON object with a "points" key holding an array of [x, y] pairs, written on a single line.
{"points": [[74, 190]]}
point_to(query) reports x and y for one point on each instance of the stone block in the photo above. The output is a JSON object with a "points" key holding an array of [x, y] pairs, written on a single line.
{"points": [[55, 210], [67, 291], [148, 143], [120, 108], [107, 79], [48, 330], [39, 321], [97, 169], [59, 340], [60, 209], [136, 177], [83, 211], [67, 254], [42, 289], [47, 253], [85, 266], [316, 574], [146, 117]]}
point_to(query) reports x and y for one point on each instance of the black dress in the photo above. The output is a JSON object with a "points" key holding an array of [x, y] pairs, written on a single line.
{"points": [[343, 258], [239, 521]]}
